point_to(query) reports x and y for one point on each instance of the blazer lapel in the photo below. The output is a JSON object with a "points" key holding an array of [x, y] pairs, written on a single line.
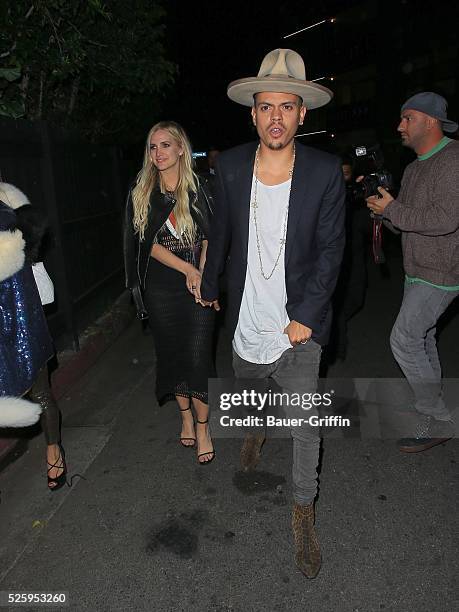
{"points": [[244, 184], [298, 197]]}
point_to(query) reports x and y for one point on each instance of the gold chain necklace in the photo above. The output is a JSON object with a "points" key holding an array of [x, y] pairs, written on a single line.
{"points": [[254, 205]]}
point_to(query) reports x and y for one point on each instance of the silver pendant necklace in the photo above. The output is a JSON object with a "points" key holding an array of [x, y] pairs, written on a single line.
{"points": [[254, 205]]}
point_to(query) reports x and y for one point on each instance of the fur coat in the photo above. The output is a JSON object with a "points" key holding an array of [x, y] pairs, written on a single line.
{"points": [[25, 343]]}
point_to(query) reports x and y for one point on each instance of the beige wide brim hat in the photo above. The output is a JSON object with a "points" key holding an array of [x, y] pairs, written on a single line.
{"points": [[281, 71]]}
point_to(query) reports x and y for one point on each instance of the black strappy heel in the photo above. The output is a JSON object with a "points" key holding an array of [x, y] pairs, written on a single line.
{"points": [[182, 439], [212, 452], [59, 464]]}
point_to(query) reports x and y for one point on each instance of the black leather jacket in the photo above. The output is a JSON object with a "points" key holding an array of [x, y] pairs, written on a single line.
{"points": [[137, 252]]}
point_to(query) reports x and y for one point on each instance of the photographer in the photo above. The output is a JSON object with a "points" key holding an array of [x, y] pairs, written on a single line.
{"points": [[350, 290], [426, 211]]}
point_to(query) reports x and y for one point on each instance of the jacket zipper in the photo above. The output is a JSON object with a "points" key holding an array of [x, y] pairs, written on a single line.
{"points": [[148, 261], [151, 246]]}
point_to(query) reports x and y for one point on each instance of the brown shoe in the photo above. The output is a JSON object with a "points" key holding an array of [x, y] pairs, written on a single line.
{"points": [[251, 451], [417, 445], [431, 432], [307, 548]]}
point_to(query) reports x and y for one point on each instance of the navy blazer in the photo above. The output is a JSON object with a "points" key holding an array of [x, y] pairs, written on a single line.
{"points": [[315, 234]]}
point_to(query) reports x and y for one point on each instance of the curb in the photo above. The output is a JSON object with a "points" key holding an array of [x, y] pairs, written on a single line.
{"points": [[96, 339], [7, 446]]}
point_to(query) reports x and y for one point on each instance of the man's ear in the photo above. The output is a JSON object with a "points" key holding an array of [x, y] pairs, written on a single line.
{"points": [[254, 116], [302, 114], [432, 122]]}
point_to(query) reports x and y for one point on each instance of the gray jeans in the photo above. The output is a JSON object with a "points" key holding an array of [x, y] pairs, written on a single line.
{"points": [[296, 371], [414, 345]]}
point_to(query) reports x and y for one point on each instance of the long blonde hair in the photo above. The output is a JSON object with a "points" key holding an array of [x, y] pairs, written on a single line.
{"points": [[149, 177]]}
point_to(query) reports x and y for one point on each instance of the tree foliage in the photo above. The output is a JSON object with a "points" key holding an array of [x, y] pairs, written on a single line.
{"points": [[99, 67]]}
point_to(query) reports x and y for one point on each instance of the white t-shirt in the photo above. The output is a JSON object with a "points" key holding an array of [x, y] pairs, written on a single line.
{"points": [[259, 335]]}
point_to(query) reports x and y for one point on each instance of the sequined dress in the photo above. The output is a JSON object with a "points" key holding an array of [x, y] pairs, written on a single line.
{"points": [[25, 342], [182, 329]]}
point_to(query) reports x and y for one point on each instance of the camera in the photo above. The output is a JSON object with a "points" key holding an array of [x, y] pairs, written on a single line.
{"points": [[370, 164], [372, 167]]}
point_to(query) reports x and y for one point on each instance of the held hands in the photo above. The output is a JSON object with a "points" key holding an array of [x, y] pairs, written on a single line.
{"points": [[297, 333], [213, 304], [193, 282]]}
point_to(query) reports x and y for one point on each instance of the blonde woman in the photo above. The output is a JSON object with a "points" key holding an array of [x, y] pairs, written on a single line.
{"points": [[167, 220]]}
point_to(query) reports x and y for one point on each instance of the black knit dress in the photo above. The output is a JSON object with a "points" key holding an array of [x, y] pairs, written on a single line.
{"points": [[182, 329]]}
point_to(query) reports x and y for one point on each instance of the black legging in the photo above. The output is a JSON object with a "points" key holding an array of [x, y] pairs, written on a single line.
{"points": [[50, 416]]}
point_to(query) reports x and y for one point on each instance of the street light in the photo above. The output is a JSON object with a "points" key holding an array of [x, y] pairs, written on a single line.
{"points": [[311, 133], [323, 78], [314, 25]]}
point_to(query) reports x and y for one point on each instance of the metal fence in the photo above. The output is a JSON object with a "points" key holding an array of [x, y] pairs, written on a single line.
{"points": [[82, 189]]}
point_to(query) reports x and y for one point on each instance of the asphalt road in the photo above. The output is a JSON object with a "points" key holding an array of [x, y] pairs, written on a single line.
{"points": [[149, 529]]}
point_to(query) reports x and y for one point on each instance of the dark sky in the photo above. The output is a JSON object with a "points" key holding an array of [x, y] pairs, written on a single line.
{"points": [[215, 43]]}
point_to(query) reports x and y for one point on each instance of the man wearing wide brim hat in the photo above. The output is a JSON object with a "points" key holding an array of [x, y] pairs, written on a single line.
{"points": [[280, 214], [426, 211], [282, 70]]}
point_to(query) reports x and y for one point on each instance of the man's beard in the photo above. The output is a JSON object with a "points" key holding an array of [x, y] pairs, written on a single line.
{"points": [[275, 146], [408, 143]]}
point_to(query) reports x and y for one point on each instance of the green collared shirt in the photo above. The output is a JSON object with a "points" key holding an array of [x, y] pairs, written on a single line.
{"points": [[438, 147]]}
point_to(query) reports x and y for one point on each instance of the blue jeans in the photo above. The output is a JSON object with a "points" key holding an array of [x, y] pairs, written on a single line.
{"points": [[414, 345], [296, 371]]}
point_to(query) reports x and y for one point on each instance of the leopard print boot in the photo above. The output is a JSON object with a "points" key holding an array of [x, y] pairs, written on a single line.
{"points": [[307, 549], [251, 451]]}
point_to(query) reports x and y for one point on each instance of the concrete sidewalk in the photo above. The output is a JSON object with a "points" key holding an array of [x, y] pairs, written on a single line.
{"points": [[149, 529], [72, 365]]}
